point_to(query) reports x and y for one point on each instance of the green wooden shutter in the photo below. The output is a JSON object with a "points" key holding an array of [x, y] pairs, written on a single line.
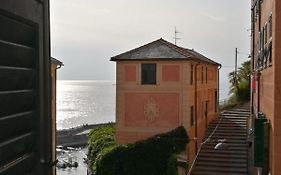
{"points": [[24, 88], [259, 142]]}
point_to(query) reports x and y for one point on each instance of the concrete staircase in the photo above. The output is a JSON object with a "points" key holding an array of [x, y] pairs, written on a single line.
{"points": [[233, 158]]}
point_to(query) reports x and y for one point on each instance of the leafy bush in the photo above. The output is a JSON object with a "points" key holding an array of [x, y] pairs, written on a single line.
{"points": [[153, 156], [99, 138]]}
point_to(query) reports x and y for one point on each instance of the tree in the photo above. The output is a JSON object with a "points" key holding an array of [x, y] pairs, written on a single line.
{"points": [[240, 85]]}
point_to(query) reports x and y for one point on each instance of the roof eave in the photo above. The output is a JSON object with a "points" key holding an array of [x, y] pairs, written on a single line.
{"points": [[151, 59], [56, 61]]}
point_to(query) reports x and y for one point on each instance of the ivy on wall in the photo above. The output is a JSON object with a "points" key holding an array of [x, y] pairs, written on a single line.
{"points": [[154, 156]]}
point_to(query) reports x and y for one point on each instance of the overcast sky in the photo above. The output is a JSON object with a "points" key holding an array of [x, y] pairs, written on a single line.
{"points": [[86, 33]]}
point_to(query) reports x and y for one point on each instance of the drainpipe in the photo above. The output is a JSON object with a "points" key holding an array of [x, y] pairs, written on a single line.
{"points": [[218, 87], [258, 73], [253, 55], [195, 105]]}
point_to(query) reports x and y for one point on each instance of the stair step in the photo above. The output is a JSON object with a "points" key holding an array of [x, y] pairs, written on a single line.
{"points": [[233, 160], [224, 164], [222, 170], [238, 110], [231, 128], [225, 156], [228, 122], [233, 133], [230, 147], [223, 151], [228, 137], [235, 115], [214, 173], [226, 117], [221, 160]]}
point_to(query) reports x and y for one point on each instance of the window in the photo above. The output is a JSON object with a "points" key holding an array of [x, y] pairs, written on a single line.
{"points": [[261, 49], [191, 74], [265, 34], [262, 39], [270, 54], [270, 26], [270, 40], [191, 116], [206, 75], [148, 74]]}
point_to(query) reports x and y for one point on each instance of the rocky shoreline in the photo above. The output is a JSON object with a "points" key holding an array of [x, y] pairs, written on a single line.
{"points": [[77, 136]]}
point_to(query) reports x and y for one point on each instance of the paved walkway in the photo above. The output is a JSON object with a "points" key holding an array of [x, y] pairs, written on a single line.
{"points": [[226, 151]]}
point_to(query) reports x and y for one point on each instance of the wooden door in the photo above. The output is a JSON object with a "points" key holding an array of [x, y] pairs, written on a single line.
{"points": [[25, 126]]}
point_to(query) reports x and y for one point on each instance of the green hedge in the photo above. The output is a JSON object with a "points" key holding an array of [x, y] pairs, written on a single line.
{"points": [[98, 139], [154, 156]]}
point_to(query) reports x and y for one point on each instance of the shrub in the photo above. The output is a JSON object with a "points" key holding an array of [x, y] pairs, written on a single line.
{"points": [[154, 156], [99, 138]]}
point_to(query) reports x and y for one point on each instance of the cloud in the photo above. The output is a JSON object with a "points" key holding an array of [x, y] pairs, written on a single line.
{"points": [[214, 18]]}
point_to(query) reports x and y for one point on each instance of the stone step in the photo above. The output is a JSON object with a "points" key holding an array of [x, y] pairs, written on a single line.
{"points": [[231, 147], [227, 121], [224, 120], [229, 138], [238, 110], [232, 119], [232, 133], [221, 170], [224, 151], [223, 164], [220, 160], [224, 127], [213, 173], [235, 115], [232, 126], [225, 156], [227, 127], [239, 115]]}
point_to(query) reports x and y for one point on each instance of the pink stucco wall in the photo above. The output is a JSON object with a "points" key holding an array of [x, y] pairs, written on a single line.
{"points": [[152, 110], [130, 73], [143, 111], [170, 73]]}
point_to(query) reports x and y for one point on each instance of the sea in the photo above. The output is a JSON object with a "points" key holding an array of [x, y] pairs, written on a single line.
{"points": [[85, 102], [82, 102]]}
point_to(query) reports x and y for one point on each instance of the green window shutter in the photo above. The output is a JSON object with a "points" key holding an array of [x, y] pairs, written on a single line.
{"points": [[259, 142]]}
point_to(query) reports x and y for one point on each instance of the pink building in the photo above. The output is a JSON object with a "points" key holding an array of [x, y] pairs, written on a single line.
{"points": [[160, 86]]}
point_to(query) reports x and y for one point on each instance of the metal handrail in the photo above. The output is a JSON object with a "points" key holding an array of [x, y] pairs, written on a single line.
{"points": [[208, 139]]}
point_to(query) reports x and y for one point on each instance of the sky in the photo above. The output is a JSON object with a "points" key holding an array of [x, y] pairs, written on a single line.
{"points": [[85, 34]]}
